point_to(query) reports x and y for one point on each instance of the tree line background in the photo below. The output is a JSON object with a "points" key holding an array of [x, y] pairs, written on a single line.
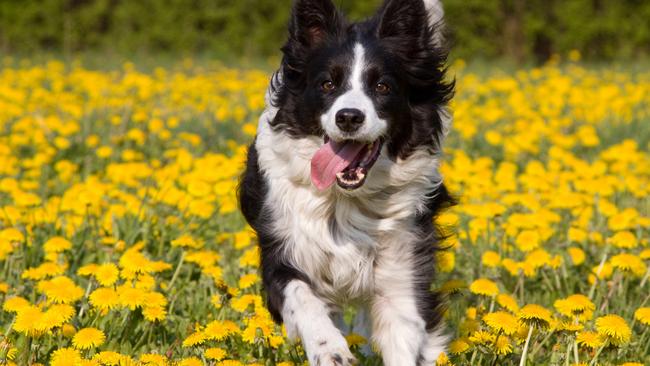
{"points": [[519, 30]]}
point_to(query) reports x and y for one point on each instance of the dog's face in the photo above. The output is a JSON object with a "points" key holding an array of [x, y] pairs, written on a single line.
{"points": [[361, 86]]}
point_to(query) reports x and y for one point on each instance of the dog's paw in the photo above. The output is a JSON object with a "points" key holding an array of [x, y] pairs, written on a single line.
{"points": [[341, 357], [332, 353]]}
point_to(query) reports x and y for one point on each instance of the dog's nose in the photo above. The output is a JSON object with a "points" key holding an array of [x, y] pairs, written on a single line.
{"points": [[349, 119]]}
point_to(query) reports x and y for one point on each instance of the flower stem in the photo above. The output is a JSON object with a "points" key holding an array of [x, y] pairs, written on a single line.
{"points": [[593, 361], [524, 354], [178, 269]]}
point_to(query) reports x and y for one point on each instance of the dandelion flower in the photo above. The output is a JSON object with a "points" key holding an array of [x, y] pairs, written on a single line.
{"points": [[216, 354], [453, 286], [491, 259], [575, 305], [65, 357], [192, 361], [104, 298], [15, 304], [88, 338], [577, 255], [508, 302], [194, 339], [107, 274], [459, 346], [153, 359], [219, 330], [629, 263], [355, 339], [112, 358], [614, 328], [154, 313], [443, 360], [589, 340], [501, 322], [484, 287], [57, 244], [536, 315], [482, 337], [624, 239], [643, 315], [248, 280], [61, 290], [57, 315], [502, 346]]}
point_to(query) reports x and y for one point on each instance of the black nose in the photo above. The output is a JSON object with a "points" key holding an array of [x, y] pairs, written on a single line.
{"points": [[349, 119]]}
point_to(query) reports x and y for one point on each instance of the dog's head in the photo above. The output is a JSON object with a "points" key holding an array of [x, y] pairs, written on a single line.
{"points": [[362, 86]]}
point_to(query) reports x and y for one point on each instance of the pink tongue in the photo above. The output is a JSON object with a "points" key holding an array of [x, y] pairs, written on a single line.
{"points": [[331, 159]]}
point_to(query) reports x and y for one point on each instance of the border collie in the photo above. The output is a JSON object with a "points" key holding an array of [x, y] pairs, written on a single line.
{"points": [[342, 182]]}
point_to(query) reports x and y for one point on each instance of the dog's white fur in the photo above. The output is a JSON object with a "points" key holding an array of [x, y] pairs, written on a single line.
{"points": [[365, 257]]}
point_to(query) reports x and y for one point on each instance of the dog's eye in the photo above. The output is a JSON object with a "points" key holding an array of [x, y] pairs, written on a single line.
{"points": [[328, 86], [382, 88]]}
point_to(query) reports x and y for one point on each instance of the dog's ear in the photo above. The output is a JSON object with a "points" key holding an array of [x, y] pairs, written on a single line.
{"points": [[413, 20], [313, 22]]}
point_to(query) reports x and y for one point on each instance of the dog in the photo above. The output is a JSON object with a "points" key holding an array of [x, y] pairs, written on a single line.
{"points": [[342, 184]]}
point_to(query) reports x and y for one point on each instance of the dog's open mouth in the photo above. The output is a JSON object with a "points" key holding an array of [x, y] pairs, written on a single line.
{"points": [[346, 162]]}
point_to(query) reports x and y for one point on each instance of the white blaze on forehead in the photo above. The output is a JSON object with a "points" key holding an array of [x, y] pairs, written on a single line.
{"points": [[356, 78], [356, 98]]}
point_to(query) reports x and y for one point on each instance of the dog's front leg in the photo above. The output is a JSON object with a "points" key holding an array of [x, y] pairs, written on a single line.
{"points": [[397, 327], [307, 316]]}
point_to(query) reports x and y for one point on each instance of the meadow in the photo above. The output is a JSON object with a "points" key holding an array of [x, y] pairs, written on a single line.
{"points": [[121, 242]]}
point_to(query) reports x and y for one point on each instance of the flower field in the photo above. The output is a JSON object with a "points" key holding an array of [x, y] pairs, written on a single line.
{"points": [[121, 242]]}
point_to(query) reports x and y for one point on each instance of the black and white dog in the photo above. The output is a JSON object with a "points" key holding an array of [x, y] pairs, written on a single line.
{"points": [[342, 182]]}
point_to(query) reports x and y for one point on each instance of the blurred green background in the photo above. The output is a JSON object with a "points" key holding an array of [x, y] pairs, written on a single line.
{"points": [[523, 31]]}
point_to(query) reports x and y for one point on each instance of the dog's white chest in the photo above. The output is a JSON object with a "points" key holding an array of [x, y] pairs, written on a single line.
{"points": [[328, 239]]}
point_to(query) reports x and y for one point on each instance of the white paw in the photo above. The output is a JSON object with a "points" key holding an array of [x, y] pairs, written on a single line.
{"points": [[330, 353]]}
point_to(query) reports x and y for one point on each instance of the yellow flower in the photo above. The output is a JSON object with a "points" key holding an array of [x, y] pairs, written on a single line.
{"points": [[491, 259], [575, 305], [104, 298], [452, 286], [65, 357], [528, 240], [248, 280], [501, 322], [61, 290], [459, 346], [355, 339], [502, 346], [446, 261], [216, 354], [151, 359], [589, 340], [482, 337], [613, 328], [577, 255], [624, 239], [508, 302], [484, 287], [443, 360], [533, 314], [87, 338], [15, 304], [643, 315], [57, 244], [186, 241], [191, 361], [194, 339], [629, 263], [107, 274], [218, 330]]}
